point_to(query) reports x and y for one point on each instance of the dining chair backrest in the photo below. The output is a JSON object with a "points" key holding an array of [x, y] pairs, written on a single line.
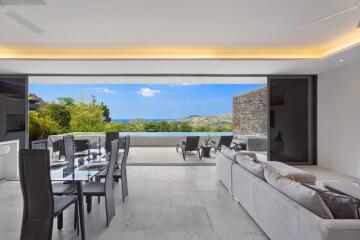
{"points": [[225, 141], [109, 137], [122, 142], [38, 210], [55, 143], [126, 151], [192, 143], [39, 144], [81, 145], [109, 181], [113, 160], [69, 148]]}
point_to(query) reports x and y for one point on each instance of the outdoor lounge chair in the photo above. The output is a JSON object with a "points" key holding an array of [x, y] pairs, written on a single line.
{"points": [[191, 144], [224, 141]]}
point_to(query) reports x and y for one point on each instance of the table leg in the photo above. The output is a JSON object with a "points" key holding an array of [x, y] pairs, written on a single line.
{"points": [[81, 209]]}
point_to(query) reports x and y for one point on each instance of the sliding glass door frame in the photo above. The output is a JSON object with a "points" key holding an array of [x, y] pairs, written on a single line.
{"points": [[312, 115]]}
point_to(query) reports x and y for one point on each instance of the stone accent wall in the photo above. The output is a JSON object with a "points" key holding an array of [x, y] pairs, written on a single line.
{"points": [[250, 112]]}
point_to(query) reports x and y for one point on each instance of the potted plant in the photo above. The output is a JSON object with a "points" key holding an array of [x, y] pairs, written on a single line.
{"points": [[207, 140]]}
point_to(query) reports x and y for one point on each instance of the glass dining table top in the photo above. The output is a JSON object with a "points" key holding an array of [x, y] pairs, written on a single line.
{"points": [[84, 168], [73, 174]]}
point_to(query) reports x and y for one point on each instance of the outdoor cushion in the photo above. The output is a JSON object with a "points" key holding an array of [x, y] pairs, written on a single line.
{"points": [[293, 173], [306, 197], [341, 206]]}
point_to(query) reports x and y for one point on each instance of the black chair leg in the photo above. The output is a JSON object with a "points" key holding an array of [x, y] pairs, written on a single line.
{"points": [[60, 221], [88, 203], [98, 199], [124, 187], [76, 218], [200, 154]]}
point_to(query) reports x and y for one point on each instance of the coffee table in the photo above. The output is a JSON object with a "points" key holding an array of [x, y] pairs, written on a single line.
{"points": [[348, 188]]}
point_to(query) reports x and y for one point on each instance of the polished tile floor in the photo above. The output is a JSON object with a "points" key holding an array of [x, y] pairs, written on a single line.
{"points": [[165, 203]]}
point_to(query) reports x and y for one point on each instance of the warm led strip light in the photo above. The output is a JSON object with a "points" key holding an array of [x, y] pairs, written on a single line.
{"points": [[337, 46]]}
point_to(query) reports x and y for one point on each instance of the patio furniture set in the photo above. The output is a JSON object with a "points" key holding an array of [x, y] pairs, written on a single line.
{"points": [[191, 144]]}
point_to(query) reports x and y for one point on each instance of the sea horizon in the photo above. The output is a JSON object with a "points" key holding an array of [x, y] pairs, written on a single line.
{"points": [[127, 120]]}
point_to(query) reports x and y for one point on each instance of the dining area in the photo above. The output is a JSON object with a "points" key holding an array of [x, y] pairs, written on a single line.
{"points": [[72, 184]]}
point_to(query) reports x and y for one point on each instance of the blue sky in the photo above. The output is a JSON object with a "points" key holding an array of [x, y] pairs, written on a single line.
{"points": [[150, 101]]}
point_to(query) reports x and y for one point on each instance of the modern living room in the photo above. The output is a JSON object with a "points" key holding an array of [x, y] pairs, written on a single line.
{"points": [[307, 186]]}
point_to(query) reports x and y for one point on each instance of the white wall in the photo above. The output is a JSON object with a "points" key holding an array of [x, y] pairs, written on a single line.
{"points": [[339, 120]]}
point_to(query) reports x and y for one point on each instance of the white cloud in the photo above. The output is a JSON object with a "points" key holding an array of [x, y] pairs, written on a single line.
{"points": [[104, 90], [148, 92]]}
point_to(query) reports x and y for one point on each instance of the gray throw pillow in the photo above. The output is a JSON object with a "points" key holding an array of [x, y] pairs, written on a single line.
{"points": [[253, 167], [341, 206], [306, 197]]}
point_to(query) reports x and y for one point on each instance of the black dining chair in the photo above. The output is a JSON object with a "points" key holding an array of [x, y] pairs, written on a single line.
{"points": [[223, 141], [40, 205], [39, 144], [109, 137], [96, 189], [120, 172], [191, 144], [69, 149], [67, 188], [57, 146], [81, 146]]}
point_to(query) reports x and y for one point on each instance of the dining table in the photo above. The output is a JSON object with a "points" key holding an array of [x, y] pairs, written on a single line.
{"points": [[83, 170]]}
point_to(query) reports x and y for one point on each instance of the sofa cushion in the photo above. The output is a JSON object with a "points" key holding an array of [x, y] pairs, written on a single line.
{"points": [[253, 167], [306, 197], [229, 153], [293, 173], [341, 206]]}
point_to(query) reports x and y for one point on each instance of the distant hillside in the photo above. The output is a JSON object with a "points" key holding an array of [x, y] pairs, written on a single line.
{"points": [[208, 120]]}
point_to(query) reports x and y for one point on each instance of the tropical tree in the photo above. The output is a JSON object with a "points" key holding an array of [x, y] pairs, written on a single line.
{"points": [[86, 117], [151, 127], [164, 126], [106, 112], [58, 112], [41, 127], [185, 127]]}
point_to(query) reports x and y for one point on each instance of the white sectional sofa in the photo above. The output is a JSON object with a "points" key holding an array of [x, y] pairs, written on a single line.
{"points": [[280, 217]]}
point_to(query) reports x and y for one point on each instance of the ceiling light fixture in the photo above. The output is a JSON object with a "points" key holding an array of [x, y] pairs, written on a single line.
{"points": [[342, 60]]}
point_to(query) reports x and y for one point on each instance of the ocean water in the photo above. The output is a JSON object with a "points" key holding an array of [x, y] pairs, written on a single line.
{"points": [[147, 120]]}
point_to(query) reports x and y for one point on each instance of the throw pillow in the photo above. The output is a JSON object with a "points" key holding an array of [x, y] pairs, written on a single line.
{"points": [[341, 206], [306, 197], [253, 167]]}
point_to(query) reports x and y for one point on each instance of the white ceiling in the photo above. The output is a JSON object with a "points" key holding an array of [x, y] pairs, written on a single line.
{"points": [[185, 23]]}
